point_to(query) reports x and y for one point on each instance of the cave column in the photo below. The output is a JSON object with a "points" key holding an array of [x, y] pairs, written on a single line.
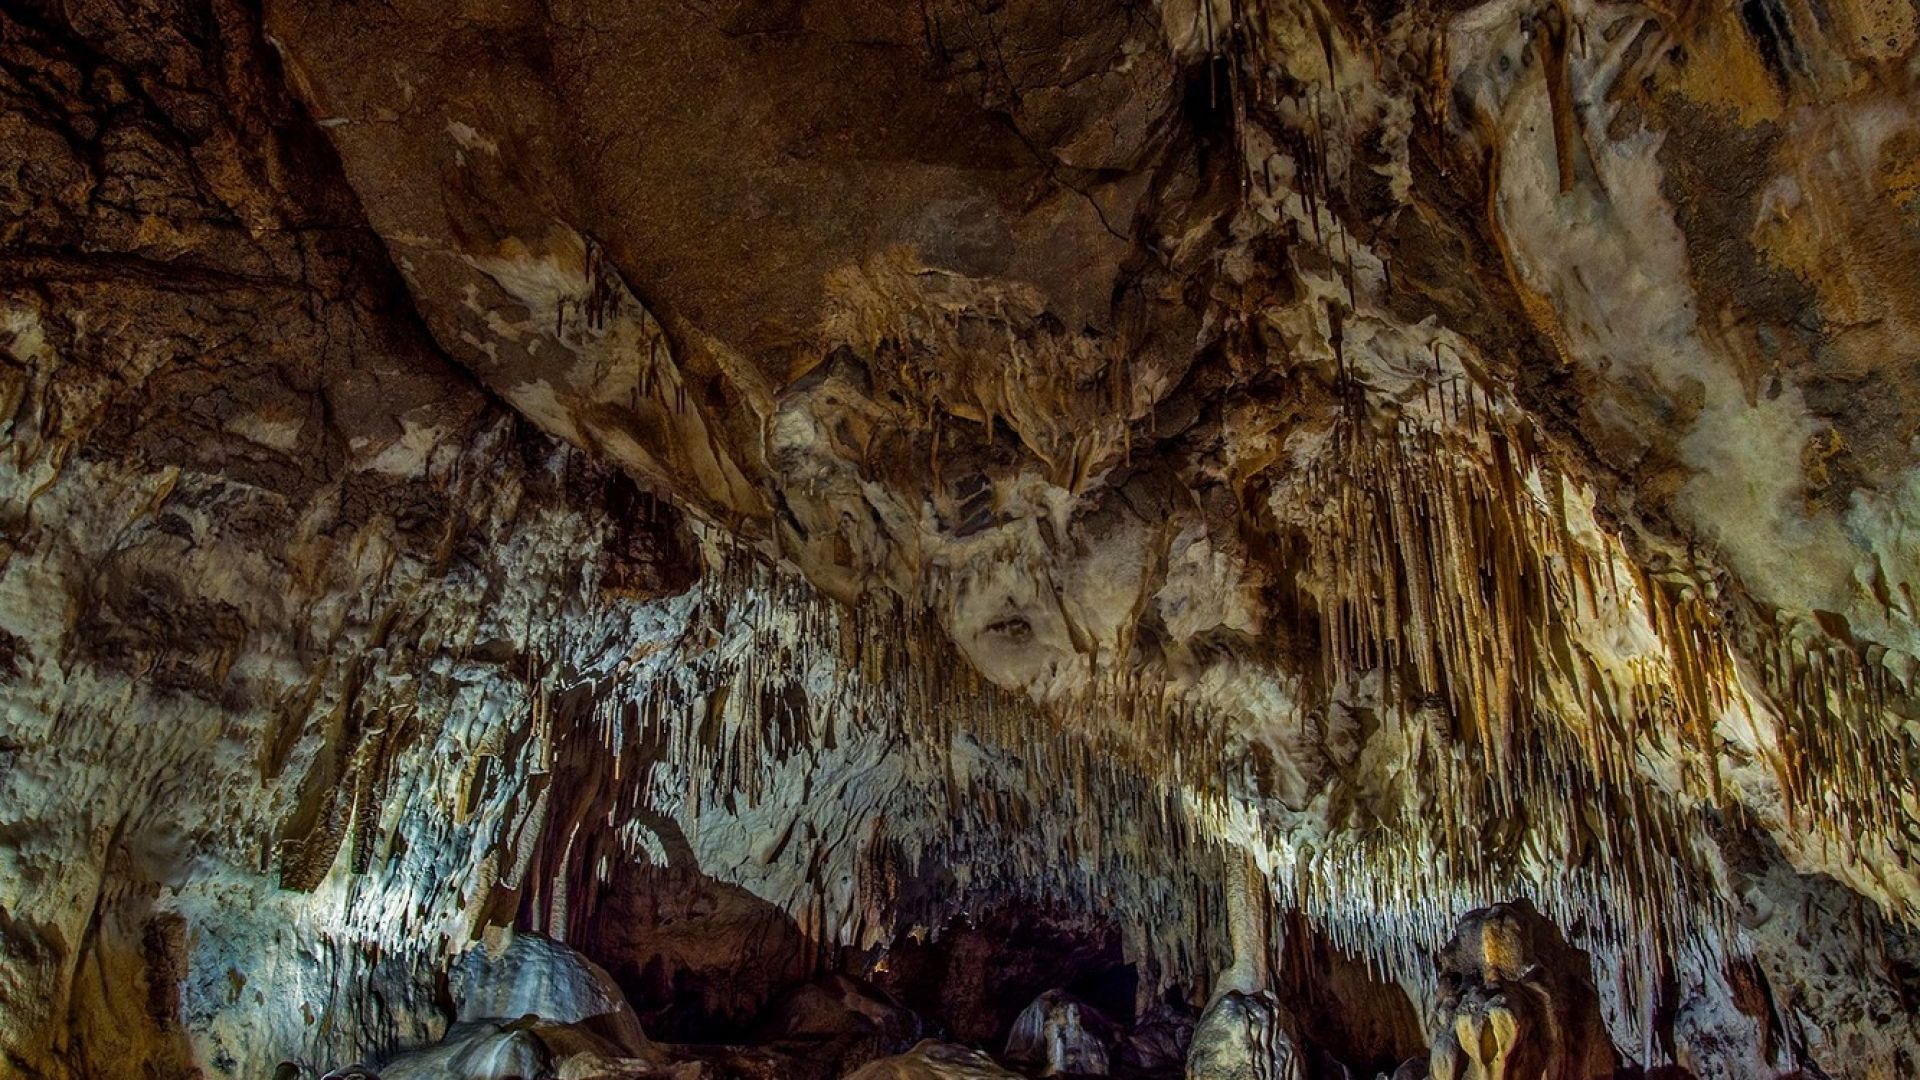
{"points": [[1249, 929]]}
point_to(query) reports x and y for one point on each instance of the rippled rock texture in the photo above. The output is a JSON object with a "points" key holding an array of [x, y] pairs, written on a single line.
{"points": [[1404, 514]]}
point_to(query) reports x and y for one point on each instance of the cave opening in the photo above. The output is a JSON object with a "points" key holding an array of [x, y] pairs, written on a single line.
{"points": [[982, 970]]}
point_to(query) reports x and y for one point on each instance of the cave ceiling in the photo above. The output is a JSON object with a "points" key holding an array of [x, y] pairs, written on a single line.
{"points": [[1212, 463]]}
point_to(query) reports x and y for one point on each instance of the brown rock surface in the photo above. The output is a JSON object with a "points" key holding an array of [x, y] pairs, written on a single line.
{"points": [[1515, 1000]]}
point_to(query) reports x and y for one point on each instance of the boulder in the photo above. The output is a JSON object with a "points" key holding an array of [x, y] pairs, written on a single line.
{"points": [[1411, 1069], [1159, 1040], [510, 976], [839, 1023], [717, 1062], [837, 1005], [697, 956]]}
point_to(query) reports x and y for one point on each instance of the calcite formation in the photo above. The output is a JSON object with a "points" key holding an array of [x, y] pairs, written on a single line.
{"points": [[1247, 1037], [1515, 1002], [759, 538], [1061, 1035]]}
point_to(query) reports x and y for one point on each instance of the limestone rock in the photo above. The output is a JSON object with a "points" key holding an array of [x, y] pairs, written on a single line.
{"points": [[1159, 1040], [977, 974], [511, 976], [1516, 1001], [838, 1023], [1058, 1033], [1244, 1036], [476, 1050], [693, 951], [760, 489]]}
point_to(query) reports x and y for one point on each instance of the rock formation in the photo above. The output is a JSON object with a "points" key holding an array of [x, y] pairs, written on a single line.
{"points": [[534, 533], [1060, 1034], [1516, 1001], [1247, 1037]]}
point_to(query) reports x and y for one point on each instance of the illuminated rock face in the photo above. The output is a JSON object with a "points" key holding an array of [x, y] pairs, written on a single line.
{"points": [[1199, 506], [523, 975]]}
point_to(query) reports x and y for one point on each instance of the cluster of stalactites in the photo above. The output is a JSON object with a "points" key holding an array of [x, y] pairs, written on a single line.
{"points": [[1455, 573], [1455, 570], [1081, 807], [1117, 803], [1453, 564]]}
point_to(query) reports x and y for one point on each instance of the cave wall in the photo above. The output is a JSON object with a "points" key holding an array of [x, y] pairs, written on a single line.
{"points": [[281, 583]]}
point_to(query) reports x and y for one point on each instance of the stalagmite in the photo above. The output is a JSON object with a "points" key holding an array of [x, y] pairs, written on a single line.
{"points": [[1246, 1037], [1060, 1035]]}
